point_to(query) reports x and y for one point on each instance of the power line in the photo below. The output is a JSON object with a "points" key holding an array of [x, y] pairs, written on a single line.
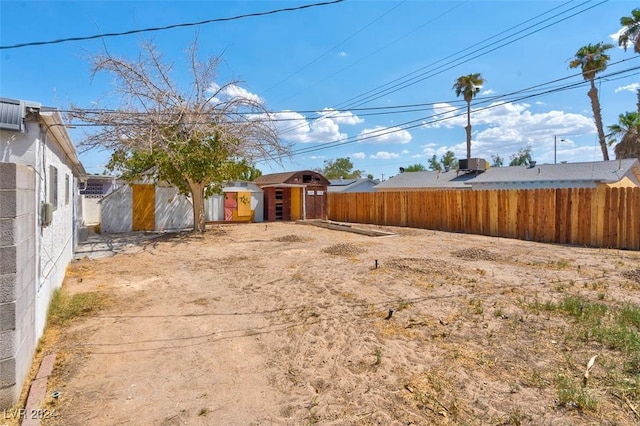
{"points": [[421, 121], [374, 52], [404, 81], [334, 47], [380, 110], [168, 27]]}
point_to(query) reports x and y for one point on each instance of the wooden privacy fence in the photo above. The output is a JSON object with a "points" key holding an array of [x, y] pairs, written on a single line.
{"points": [[596, 217]]}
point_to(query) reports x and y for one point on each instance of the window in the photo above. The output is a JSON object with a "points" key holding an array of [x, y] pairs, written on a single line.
{"points": [[66, 189], [53, 186]]}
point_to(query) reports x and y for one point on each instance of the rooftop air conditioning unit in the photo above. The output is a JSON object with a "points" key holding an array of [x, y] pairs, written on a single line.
{"points": [[473, 164]]}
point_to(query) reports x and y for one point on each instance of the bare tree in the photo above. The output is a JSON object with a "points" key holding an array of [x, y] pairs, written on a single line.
{"points": [[194, 136]]}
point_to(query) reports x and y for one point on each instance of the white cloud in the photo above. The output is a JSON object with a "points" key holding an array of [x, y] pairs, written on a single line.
{"points": [[382, 135], [442, 114], [295, 127], [317, 157], [384, 155], [359, 155], [633, 87], [343, 54], [615, 36], [233, 91], [488, 92], [341, 117], [506, 127]]}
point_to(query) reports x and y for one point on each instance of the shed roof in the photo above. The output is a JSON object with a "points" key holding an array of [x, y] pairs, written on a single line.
{"points": [[597, 171], [428, 180], [285, 177]]}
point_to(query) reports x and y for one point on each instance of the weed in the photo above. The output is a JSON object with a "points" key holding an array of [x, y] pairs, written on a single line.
{"points": [[378, 354], [404, 304], [476, 306], [562, 264], [203, 412], [498, 313], [64, 308], [516, 418], [572, 395]]}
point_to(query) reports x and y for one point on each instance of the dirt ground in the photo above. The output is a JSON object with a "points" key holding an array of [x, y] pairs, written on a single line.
{"points": [[290, 324]]}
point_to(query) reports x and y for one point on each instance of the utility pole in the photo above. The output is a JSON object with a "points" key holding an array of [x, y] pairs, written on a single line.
{"points": [[382, 178], [555, 147]]}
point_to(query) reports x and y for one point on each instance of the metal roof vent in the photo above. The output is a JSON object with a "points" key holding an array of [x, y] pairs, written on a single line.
{"points": [[11, 114]]}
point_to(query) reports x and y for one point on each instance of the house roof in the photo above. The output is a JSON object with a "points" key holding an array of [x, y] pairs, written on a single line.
{"points": [[344, 185], [429, 179], [598, 171], [343, 182]]}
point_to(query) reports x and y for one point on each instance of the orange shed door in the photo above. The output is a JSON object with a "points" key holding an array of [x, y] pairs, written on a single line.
{"points": [[144, 207]]}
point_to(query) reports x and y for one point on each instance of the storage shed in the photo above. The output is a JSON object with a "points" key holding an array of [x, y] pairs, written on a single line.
{"points": [[239, 202], [145, 207], [294, 195]]}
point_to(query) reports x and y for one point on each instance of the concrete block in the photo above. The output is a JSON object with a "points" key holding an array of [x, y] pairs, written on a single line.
{"points": [[8, 175], [8, 231], [8, 287], [8, 203], [8, 256], [7, 372], [8, 316], [23, 252], [25, 178], [15, 230], [8, 396], [7, 344]]}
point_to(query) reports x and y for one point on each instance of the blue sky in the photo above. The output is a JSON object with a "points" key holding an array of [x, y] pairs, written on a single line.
{"points": [[367, 59]]}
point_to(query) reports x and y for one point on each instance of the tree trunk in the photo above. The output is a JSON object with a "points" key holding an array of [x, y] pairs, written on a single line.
{"points": [[638, 104], [197, 196], [468, 129], [597, 116]]}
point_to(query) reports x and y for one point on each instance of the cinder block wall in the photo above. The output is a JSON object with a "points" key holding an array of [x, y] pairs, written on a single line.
{"points": [[18, 217]]}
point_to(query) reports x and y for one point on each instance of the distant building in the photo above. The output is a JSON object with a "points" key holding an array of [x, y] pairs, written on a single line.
{"points": [[615, 173], [352, 185], [95, 189], [428, 180]]}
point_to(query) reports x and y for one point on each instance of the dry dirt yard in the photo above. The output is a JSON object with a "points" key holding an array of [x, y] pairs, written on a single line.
{"points": [[289, 324]]}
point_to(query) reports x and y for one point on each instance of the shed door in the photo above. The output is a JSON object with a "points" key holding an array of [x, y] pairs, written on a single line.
{"points": [[316, 202], [144, 207]]}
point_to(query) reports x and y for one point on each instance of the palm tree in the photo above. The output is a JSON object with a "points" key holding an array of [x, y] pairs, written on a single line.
{"points": [[630, 35], [468, 86], [592, 59], [628, 130]]}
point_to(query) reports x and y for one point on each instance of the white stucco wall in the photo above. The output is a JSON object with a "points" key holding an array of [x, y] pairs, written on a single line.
{"points": [[173, 210], [56, 241], [117, 211], [52, 246], [91, 210]]}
